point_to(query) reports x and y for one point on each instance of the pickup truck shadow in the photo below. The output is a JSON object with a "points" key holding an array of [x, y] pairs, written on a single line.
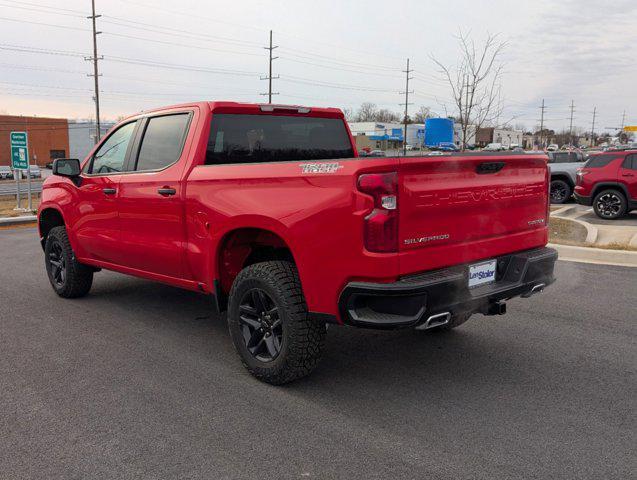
{"points": [[386, 361]]}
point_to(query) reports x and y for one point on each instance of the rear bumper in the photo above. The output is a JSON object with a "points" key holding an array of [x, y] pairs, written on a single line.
{"points": [[413, 299]]}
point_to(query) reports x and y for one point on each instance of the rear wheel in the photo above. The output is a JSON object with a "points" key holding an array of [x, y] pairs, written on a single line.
{"points": [[269, 323], [610, 204], [69, 278], [561, 191]]}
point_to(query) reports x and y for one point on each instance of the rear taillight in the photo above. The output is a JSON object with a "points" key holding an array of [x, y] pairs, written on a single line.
{"points": [[381, 225]]}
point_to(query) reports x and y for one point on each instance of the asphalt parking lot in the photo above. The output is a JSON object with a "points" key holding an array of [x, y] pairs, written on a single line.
{"points": [[138, 380]]}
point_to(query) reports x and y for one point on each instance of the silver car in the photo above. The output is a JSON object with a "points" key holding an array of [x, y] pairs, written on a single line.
{"points": [[5, 172]]}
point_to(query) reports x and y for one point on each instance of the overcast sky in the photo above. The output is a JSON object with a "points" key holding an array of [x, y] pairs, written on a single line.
{"points": [[332, 53]]}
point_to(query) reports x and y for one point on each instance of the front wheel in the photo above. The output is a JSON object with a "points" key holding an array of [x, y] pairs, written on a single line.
{"points": [[610, 204], [69, 278], [560, 191], [269, 323]]}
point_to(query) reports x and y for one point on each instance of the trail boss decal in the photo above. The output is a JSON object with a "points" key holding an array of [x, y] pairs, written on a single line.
{"points": [[320, 167]]}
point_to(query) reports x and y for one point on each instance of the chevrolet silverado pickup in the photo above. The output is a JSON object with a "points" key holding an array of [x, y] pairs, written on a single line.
{"points": [[269, 210]]}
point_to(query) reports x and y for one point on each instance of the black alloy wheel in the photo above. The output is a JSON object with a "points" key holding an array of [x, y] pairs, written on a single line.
{"points": [[261, 325], [560, 191], [57, 264], [609, 204]]}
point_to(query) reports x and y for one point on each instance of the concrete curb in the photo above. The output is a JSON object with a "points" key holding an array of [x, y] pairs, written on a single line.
{"points": [[18, 220], [600, 256], [591, 230]]}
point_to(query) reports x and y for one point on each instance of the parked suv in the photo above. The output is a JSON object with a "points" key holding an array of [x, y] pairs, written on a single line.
{"points": [[563, 167], [608, 182]]}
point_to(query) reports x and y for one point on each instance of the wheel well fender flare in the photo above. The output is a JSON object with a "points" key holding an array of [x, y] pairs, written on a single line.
{"points": [[610, 186], [48, 218], [564, 177]]}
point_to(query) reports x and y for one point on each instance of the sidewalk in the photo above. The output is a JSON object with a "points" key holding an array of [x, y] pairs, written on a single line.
{"points": [[621, 232]]}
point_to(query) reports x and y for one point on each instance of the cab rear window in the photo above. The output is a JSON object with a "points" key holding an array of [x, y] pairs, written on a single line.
{"points": [[598, 161], [275, 138]]}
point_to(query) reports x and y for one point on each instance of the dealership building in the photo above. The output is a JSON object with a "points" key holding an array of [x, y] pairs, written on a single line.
{"points": [[386, 135], [48, 138]]}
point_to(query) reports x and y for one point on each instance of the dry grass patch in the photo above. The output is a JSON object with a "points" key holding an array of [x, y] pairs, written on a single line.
{"points": [[8, 203]]}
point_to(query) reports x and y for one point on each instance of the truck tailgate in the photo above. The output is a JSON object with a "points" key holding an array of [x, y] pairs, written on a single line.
{"points": [[461, 208]]}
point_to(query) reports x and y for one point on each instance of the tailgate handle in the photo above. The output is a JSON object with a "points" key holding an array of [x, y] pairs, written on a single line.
{"points": [[490, 167]]}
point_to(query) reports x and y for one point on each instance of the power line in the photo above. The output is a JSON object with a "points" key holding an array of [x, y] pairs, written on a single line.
{"points": [[56, 8], [269, 78], [570, 128], [95, 58], [593, 127], [542, 109], [406, 118]]}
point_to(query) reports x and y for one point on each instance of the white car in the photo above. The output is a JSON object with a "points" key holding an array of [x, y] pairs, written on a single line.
{"points": [[553, 147], [5, 172], [494, 147]]}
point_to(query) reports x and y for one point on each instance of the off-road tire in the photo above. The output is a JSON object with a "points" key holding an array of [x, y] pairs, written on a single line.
{"points": [[613, 194], [78, 278], [302, 338], [565, 191]]}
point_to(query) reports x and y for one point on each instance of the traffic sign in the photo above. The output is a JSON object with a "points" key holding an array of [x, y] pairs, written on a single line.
{"points": [[19, 151]]}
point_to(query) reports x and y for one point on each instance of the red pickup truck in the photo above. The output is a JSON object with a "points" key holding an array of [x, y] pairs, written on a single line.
{"points": [[268, 209]]}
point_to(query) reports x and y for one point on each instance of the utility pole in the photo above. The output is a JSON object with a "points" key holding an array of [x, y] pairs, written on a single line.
{"points": [[269, 78], [95, 73], [406, 92], [570, 128], [542, 108], [623, 119], [593, 127]]}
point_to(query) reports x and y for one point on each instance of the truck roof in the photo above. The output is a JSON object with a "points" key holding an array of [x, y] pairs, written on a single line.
{"points": [[259, 108], [252, 109]]}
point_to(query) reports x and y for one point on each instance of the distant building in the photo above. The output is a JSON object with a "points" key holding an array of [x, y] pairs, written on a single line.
{"points": [[82, 137], [48, 138], [386, 136], [458, 135], [437, 131], [507, 138]]}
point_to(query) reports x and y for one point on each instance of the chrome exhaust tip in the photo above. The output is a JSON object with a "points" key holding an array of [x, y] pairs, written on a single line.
{"points": [[436, 320], [539, 288]]}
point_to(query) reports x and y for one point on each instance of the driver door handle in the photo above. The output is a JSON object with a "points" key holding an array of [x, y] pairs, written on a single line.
{"points": [[109, 191], [165, 191]]}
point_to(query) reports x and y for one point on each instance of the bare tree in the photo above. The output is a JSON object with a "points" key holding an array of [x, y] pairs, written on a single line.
{"points": [[385, 115], [366, 112], [422, 114], [475, 82], [348, 113]]}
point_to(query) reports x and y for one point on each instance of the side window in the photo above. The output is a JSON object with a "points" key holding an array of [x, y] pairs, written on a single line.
{"points": [[560, 157], [630, 162], [163, 141], [111, 155]]}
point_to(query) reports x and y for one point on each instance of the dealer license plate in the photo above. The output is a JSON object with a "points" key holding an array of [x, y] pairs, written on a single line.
{"points": [[482, 273]]}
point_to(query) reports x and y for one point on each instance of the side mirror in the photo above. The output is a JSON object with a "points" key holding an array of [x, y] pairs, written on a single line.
{"points": [[66, 167]]}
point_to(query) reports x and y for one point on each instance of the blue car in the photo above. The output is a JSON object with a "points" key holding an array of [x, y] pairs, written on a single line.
{"points": [[447, 147]]}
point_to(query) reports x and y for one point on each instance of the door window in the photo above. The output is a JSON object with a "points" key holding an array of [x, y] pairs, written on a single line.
{"points": [[630, 162], [163, 141], [112, 153]]}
